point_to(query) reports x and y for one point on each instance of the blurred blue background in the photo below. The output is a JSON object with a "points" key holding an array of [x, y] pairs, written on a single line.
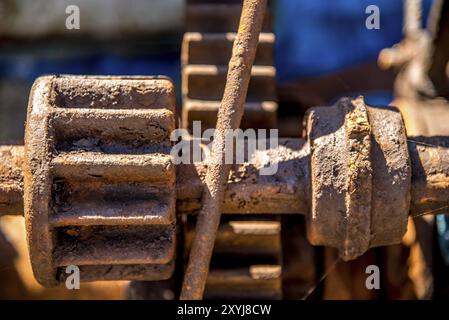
{"points": [[313, 37]]}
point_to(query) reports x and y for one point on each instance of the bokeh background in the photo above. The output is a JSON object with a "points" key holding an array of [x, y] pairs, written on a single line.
{"points": [[314, 38]]}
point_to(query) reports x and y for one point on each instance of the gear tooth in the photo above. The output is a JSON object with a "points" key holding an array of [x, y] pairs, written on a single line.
{"points": [[246, 262], [206, 51], [99, 180]]}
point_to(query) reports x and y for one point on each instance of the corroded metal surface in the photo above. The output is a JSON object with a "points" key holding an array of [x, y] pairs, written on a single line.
{"points": [[74, 207], [216, 48], [247, 190], [99, 183], [206, 50], [422, 56], [421, 93], [360, 177]]}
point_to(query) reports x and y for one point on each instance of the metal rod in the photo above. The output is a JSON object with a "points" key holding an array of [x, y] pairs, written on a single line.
{"points": [[412, 18], [229, 117]]}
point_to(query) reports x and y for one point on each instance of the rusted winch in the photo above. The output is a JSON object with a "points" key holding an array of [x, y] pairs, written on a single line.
{"points": [[101, 189]]}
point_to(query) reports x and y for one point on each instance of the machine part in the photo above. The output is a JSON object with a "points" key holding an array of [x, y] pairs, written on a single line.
{"points": [[287, 191], [246, 262], [414, 38], [229, 117], [360, 171], [421, 94], [206, 51], [99, 184], [422, 56], [249, 192], [203, 86]]}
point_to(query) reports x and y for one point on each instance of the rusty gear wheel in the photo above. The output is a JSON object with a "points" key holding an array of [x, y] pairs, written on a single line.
{"points": [[99, 181]]}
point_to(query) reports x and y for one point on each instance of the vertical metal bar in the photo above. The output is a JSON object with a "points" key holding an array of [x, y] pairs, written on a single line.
{"points": [[412, 18]]}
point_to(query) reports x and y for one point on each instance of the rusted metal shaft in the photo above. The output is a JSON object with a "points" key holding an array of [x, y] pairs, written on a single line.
{"points": [[246, 190], [285, 192], [229, 117], [249, 192]]}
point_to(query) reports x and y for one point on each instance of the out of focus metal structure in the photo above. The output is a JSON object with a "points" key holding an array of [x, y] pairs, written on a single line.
{"points": [[421, 93]]}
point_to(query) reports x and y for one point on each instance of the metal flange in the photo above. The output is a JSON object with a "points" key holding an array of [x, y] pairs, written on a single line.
{"points": [[360, 176]]}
